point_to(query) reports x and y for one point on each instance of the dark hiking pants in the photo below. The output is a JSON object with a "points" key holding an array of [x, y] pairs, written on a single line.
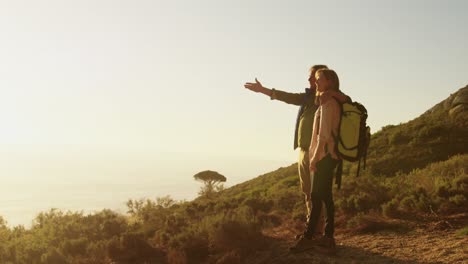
{"points": [[322, 183]]}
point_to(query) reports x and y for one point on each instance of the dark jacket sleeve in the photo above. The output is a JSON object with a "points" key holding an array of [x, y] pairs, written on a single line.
{"points": [[289, 98]]}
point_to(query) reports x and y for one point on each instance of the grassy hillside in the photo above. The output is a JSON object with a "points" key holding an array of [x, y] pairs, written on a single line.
{"points": [[436, 135], [427, 156]]}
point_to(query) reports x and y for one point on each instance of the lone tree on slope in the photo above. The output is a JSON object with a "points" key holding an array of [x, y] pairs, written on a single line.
{"points": [[212, 181]]}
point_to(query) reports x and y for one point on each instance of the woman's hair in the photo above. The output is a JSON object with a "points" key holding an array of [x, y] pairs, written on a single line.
{"points": [[332, 77], [318, 67]]}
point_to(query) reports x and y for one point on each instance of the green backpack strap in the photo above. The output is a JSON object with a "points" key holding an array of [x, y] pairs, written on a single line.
{"points": [[364, 154], [336, 138]]}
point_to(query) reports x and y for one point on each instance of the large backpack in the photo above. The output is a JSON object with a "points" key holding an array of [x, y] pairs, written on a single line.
{"points": [[353, 136]]}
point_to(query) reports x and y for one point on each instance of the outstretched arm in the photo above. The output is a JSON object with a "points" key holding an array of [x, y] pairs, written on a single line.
{"points": [[258, 88], [290, 98]]}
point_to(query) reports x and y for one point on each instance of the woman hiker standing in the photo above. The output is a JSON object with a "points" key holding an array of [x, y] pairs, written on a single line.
{"points": [[323, 160]]}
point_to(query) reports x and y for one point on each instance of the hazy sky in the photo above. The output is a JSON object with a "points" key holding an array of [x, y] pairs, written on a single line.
{"points": [[167, 76]]}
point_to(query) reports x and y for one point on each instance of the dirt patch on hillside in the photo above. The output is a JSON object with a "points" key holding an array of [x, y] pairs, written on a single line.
{"points": [[431, 242]]}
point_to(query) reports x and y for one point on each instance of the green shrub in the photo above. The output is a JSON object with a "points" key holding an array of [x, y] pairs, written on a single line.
{"points": [[398, 137], [271, 219], [287, 199], [258, 204], [390, 209], [53, 256], [193, 243], [458, 200], [74, 247], [234, 235], [463, 231]]}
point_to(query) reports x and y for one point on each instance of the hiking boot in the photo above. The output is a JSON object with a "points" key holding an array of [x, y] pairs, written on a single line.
{"points": [[303, 244], [326, 245], [301, 235]]}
